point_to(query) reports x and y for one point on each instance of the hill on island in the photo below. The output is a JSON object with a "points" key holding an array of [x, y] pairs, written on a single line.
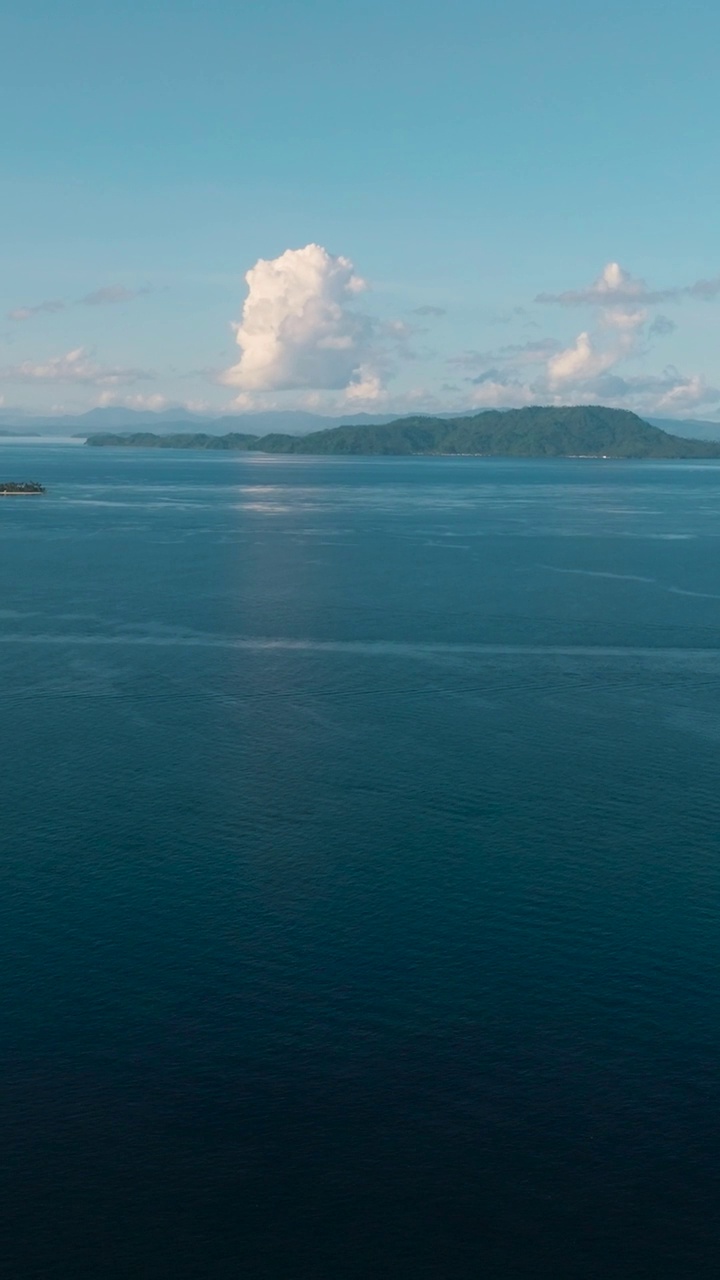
{"points": [[535, 432]]}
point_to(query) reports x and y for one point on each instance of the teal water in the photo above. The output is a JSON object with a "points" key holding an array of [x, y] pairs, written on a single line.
{"points": [[360, 868]]}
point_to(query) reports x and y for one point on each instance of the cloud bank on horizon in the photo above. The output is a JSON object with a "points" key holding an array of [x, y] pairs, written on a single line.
{"points": [[593, 367], [308, 339], [300, 332]]}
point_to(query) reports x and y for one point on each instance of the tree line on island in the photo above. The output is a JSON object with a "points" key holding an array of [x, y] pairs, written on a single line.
{"points": [[590, 431], [9, 487]]}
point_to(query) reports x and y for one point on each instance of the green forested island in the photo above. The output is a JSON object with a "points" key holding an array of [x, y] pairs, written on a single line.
{"points": [[589, 431], [9, 488]]}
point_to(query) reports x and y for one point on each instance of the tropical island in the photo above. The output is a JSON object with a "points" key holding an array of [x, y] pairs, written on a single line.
{"points": [[585, 431], [9, 488]]}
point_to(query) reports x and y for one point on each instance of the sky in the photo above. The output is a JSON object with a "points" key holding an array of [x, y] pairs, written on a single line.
{"points": [[393, 206]]}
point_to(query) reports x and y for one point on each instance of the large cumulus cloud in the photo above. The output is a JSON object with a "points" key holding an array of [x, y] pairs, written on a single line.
{"points": [[300, 329]]}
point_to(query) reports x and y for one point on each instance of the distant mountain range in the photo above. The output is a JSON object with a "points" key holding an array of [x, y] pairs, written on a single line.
{"points": [[535, 432], [691, 428], [288, 421], [291, 422]]}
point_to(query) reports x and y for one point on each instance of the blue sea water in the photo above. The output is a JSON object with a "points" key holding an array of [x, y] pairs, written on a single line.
{"points": [[360, 894]]}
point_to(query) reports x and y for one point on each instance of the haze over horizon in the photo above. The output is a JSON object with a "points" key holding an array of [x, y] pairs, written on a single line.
{"points": [[423, 210]]}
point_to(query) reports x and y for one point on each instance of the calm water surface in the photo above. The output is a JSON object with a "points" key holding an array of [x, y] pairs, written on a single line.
{"points": [[360, 868]]}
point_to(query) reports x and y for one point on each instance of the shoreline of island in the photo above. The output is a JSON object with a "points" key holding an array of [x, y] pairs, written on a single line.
{"points": [[21, 489], [536, 431]]}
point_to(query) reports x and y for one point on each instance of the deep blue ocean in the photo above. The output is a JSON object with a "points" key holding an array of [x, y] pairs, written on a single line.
{"points": [[360, 899]]}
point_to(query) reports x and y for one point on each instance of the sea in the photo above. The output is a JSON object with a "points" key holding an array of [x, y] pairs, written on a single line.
{"points": [[360, 896]]}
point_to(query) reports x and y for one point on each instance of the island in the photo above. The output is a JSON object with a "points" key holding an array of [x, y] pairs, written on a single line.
{"points": [[539, 431], [11, 488]]}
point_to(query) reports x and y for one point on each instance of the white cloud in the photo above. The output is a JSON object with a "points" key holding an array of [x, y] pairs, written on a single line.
{"points": [[26, 313], [675, 393], [493, 393], [299, 329], [579, 362], [304, 341], [616, 285], [624, 319], [368, 389], [72, 366], [588, 369]]}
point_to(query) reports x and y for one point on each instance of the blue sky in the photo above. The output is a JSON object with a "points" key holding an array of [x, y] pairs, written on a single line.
{"points": [[450, 163]]}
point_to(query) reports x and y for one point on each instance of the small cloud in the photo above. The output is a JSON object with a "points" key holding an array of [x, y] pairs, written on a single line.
{"points": [[707, 289], [72, 366], [507, 317], [615, 286], [490, 375], [367, 390], [106, 296], [503, 394], [111, 294], [670, 391], [400, 330], [661, 326], [517, 353], [530, 352], [676, 392], [26, 313], [429, 312], [623, 319], [579, 362]]}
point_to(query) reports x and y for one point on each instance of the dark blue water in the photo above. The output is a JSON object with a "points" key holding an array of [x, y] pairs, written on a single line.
{"points": [[360, 869]]}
